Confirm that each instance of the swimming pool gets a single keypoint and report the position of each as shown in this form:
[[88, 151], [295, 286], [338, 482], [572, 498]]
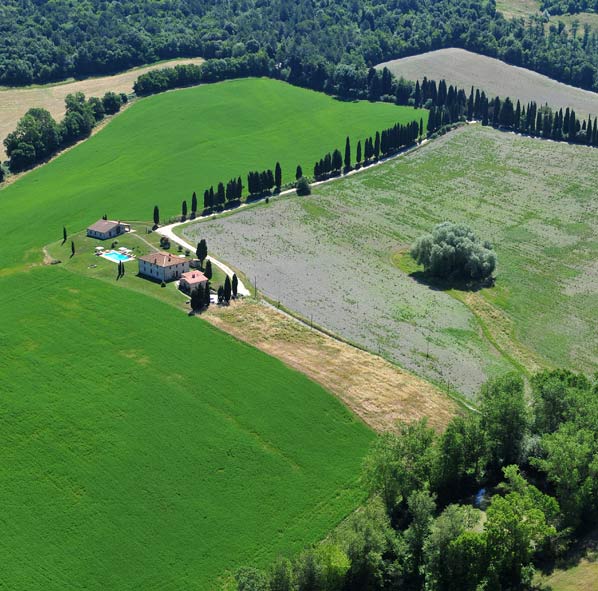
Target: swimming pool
[[116, 257]]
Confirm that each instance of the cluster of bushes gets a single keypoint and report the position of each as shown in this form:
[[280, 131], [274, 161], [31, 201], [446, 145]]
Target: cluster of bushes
[[389, 142], [422, 528], [212, 70], [223, 196], [38, 136], [261, 183], [453, 252]]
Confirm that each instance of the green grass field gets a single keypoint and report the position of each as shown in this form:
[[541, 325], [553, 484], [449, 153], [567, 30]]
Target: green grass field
[[142, 448], [165, 147]]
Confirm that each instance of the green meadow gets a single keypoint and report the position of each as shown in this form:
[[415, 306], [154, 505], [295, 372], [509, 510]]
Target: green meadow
[[142, 448], [165, 147]]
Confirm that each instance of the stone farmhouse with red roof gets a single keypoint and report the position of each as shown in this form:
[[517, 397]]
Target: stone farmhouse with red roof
[[105, 229], [191, 281], [163, 266]]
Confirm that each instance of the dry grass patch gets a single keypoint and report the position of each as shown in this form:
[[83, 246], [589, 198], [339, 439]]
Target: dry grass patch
[[15, 102], [379, 392]]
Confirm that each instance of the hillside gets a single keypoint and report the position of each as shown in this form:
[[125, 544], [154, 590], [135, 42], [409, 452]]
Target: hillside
[[497, 78], [146, 449], [165, 147], [305, 41], [531, 198], [14, 102]]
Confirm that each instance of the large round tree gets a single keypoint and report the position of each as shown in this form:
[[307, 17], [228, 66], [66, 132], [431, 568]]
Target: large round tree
[[454, 252]]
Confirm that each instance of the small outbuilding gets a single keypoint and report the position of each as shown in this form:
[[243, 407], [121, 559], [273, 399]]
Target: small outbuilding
[[104, 229], [163, 266], [191, 281]]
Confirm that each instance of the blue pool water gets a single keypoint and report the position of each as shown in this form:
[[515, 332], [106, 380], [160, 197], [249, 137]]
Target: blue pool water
[[116, 257]]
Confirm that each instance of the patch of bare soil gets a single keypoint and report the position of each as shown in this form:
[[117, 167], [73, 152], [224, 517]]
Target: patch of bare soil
[[377, 391]]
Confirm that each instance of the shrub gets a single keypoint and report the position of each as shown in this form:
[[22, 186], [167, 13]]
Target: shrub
[[454, 252], [303, 187]]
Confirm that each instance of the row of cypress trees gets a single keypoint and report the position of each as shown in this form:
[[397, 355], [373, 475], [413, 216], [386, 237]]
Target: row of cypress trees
[[449, 104], [384, 143]]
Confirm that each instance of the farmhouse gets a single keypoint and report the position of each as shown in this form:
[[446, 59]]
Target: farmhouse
[[191, 281], [163, 266], [104, 229]]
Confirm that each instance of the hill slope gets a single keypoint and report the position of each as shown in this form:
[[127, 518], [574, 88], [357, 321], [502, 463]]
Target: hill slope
[[167, 146], [143, 449], [497, 78]]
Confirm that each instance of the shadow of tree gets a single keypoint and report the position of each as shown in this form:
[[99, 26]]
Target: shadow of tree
[[446, 284]]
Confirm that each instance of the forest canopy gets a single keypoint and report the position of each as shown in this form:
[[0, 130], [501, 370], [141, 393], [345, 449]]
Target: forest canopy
[[42, 41]]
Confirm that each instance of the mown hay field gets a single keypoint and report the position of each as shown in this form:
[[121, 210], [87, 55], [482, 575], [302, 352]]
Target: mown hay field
[[15, 102], [165, 147], [337, 255], [467, 69]]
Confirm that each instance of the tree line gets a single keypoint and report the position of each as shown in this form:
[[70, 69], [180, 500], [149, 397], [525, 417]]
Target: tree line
[[385, 143], [448, 104], [531, 469], [310, 42], [38, 136]]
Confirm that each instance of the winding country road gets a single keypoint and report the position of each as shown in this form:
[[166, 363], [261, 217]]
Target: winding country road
[[168, 232]]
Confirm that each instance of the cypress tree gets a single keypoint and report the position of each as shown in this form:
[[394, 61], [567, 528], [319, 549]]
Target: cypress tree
[[202, 251], [347, 154], [64, 236], [239, 188], [572, 131], [208, 270], [206, 199], [194, 203], [235, 285], [421, 127], [195, 299], [184, 208], [277, 176], [298, 172], [227, 289], [206, 293], [220, 195], [337, 161], [122, 269], [211, 197], [156, 215], [470, 104], [72, 249], [377, 146], [358, 154]]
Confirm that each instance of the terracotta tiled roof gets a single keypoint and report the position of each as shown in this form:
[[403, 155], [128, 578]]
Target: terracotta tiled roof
[[103, 226], [163, 259], [194, 277]]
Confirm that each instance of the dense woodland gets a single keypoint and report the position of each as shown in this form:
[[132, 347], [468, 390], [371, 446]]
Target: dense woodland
[[42, 41], [430, 526], [569, 6]]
